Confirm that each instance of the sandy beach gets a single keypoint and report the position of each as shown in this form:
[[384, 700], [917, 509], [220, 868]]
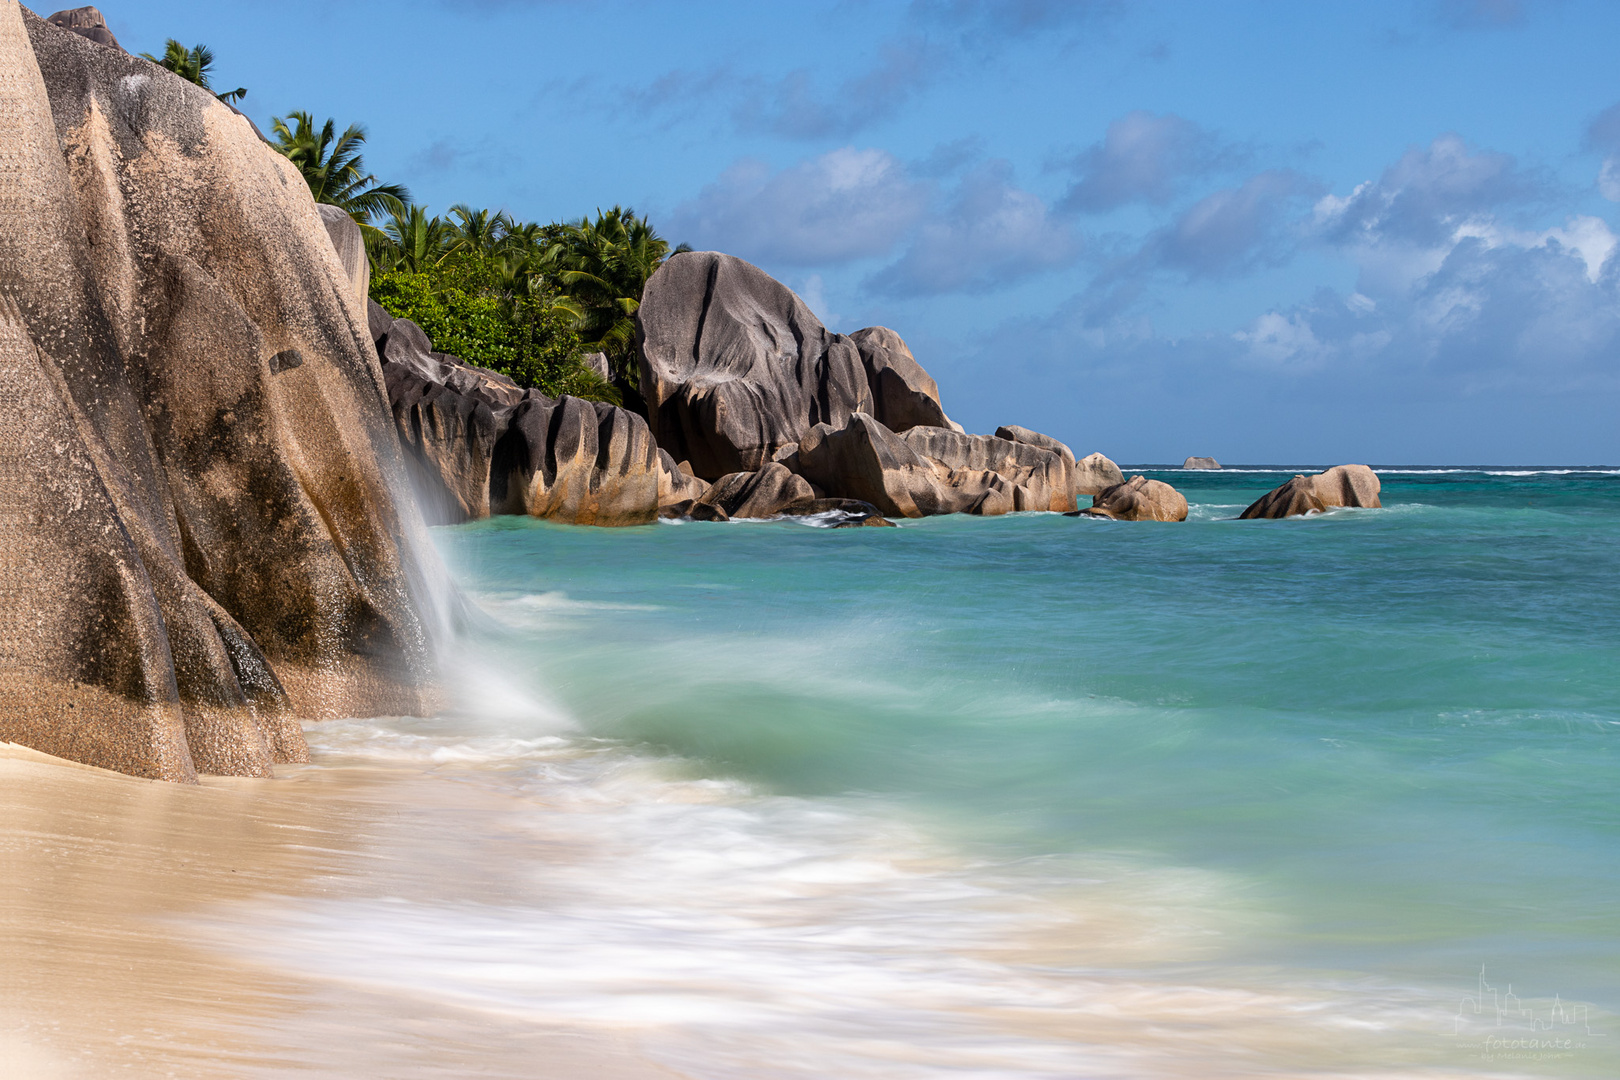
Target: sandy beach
[[102, 872]]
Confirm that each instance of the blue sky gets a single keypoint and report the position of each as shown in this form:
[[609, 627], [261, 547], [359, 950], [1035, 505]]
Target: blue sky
[[1268, 232]]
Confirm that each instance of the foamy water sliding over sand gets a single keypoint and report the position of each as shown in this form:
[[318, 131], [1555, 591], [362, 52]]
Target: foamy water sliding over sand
[[1017, 798]]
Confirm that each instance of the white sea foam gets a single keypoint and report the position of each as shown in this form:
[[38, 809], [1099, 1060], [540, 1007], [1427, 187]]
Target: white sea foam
[[770, 937]]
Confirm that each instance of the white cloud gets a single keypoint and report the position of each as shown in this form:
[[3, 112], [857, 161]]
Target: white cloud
[[845, 205], [1144, 158], [990, 234]]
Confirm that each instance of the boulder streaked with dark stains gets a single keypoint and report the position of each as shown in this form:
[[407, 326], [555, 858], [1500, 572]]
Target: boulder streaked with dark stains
[[575, 461], [904, 396], [1342, 485], [1087, 476], [734, 366], [769, 492], [202, 538]]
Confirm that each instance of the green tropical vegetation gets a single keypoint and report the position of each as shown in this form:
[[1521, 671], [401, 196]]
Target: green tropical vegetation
[[333, 167], [193, 65]]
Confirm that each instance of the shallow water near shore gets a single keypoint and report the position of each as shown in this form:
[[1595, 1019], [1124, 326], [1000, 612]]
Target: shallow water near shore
[[1018, 797]]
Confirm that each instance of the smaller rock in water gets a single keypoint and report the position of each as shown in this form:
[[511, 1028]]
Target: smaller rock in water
[[1094, 474], [1342, 485], [1200, 463], [1138, 499], [768, 492]]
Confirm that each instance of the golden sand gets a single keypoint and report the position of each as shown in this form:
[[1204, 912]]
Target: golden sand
[[98, 875]]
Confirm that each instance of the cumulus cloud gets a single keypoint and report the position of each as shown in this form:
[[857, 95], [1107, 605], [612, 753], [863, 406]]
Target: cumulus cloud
[[1431, 191], [1145, 158], [1236, 228], [990, 234], [843, 205]]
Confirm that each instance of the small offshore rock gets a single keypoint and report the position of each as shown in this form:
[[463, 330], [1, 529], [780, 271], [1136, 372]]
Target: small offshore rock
[[1138, 499], [1200, 463], [1342, 485]]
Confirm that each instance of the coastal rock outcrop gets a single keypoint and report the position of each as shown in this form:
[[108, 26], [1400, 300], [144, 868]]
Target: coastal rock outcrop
[[1342, 485], [769, 492], [1200, 463], [904, 396], [930, 471], [734, 366], [1138, 499], [202, 531], [350, 246], [1088, 476], [477, 443]]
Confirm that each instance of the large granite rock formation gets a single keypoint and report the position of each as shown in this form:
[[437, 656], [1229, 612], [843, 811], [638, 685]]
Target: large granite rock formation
[[734, 366], [477, 443], [1138, 499], [201, 532], [1200, 463], [1342, 485], [904, 396], [1088, 476], [929, 471]]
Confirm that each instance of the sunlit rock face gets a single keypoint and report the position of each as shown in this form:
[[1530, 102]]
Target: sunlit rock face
[[1340, 486], [202, 535]]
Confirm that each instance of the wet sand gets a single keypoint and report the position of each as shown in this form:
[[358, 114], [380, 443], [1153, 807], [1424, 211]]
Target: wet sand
[[101, 873]]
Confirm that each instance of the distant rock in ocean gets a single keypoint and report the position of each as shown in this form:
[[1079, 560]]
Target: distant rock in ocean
[[201, 519], [1200, 463], [1138, 499], [1342, 485]]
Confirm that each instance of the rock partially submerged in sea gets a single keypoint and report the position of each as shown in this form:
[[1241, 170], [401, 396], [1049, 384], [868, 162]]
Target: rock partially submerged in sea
[[202, 514], [769, 492], [1342, 485], [1138, 499], [1200, 463], [904, 396]]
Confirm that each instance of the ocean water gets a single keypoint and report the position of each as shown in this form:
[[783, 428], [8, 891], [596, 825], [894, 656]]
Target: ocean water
[[1030, 796]]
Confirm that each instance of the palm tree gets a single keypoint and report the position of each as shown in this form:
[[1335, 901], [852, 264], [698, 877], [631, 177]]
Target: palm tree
[[192, 65], [478, 231], [602, 267], [333, 168], [413, 242]]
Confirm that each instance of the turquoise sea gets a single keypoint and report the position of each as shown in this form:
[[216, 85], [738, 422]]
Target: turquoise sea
[[1034, 796]]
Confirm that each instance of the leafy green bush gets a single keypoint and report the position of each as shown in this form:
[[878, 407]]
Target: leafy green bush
[[461, 306]]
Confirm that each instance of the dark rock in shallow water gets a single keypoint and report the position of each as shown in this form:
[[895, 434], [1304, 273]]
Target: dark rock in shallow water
[[576, 461], [734, 366], [768, 492], [201, 542], [1138, 499], [1342, 485]]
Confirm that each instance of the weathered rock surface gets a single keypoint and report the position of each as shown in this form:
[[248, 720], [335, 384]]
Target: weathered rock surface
[[1039, 477], [477, 443], [904, 396], [87, 22], [1088, 476], [769, 492], [1094, 474], [1342, 485], [1138, 499], [350, 246], [201, 535], [734, 366], [1200, 463], [930, 471]]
